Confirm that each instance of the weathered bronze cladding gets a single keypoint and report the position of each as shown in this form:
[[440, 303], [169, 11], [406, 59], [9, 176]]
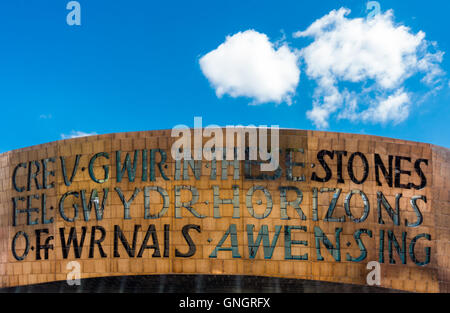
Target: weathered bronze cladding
[[119, 205]]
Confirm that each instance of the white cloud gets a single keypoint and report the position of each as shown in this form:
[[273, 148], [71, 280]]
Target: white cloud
[[247, 64], [373, 52], [77, 134], [393, 109]]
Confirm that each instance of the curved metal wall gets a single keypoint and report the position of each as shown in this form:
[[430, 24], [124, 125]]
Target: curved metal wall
[[362, 199]]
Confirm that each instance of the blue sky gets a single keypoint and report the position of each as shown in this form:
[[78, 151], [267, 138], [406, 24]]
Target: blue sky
[[134, 65]]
